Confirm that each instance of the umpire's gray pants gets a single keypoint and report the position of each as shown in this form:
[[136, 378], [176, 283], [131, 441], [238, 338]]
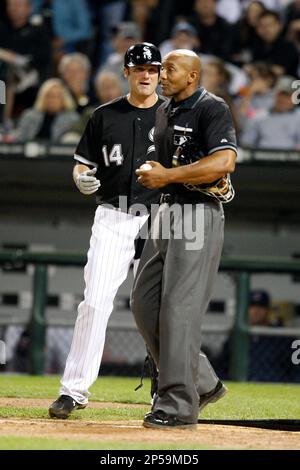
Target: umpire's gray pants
[[170, 295]]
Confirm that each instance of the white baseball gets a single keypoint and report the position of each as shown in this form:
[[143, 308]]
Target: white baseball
[[146, 167]]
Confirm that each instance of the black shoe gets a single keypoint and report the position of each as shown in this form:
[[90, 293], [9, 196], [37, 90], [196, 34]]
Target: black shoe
[[213, 396], [160, 420], [63, 407]]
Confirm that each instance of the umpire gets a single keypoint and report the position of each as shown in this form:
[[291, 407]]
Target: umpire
[[175, 278]]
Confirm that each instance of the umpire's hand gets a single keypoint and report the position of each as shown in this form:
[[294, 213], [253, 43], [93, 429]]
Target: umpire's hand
[[87, 183], [156, 177]]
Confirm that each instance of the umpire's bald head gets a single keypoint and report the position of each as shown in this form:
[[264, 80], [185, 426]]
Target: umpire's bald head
[[180, 73]]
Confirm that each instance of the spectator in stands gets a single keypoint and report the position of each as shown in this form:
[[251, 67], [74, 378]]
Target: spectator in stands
[[141, 11], [269, 355], [25, 55], [106, 15], [245, 37], [215, 33], [292, 11], [21, 358], [51, 117], [258, 96], [292, 18], [272, 47], [275, 5], [155, 18], [229, 9], [183, 36], [259, 308], [215, 77], [127, 34], [18, 346], [75, 70], [108, 86], [279, 128], [17, 343], [71, 24]]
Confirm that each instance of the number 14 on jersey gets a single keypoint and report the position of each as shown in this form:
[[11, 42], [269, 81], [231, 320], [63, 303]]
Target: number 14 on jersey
[[115, 155]]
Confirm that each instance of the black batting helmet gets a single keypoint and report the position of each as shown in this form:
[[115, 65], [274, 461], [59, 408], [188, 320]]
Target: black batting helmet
[[141, 54]]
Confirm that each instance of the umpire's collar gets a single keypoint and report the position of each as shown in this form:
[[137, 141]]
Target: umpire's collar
[[188, 103]]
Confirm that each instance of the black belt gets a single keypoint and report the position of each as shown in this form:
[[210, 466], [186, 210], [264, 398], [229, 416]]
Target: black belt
[[185, 199]]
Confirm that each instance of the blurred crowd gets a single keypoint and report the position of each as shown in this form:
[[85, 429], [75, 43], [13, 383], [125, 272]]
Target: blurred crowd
[[60, 59]]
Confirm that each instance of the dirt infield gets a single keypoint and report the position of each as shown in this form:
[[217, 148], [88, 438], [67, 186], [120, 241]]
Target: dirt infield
[[44, 403], [220, 437]]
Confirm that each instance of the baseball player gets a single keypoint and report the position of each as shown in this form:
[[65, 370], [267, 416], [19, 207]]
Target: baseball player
[[196, 148], [118, 139]]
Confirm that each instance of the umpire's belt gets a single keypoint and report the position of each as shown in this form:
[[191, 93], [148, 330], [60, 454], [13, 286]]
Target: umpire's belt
[[184, 199]]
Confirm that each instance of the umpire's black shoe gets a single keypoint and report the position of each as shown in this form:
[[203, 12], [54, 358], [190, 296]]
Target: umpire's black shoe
[[160, 420], [63, 407], [212, 396]]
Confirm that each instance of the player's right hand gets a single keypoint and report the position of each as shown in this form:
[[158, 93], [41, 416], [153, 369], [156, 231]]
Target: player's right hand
[[87, 183]]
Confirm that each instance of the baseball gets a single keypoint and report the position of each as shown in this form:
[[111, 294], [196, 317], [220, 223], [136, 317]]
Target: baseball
[[146, 167]]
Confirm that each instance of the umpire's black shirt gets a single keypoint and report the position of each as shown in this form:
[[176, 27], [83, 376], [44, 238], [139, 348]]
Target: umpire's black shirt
[[203, 118], [117, 140]]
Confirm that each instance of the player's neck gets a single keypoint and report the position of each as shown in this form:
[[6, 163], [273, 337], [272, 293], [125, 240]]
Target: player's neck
[[142, 101]]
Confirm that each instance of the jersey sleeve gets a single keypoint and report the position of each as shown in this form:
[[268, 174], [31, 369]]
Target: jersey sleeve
[[219, 131], [88, 148]]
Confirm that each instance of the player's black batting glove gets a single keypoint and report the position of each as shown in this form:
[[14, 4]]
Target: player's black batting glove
[[87, 183]]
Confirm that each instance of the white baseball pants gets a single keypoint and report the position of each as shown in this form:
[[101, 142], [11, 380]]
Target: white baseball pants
[[110, 254]]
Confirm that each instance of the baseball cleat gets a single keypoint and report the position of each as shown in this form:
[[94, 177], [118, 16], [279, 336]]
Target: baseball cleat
[[160, 420], [63, 407], [212, 396]]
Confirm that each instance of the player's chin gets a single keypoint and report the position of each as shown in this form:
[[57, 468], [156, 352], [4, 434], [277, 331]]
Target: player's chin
[[146, 90]]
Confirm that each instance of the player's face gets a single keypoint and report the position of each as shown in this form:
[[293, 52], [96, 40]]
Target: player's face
[[173, 76], [142, 79]]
